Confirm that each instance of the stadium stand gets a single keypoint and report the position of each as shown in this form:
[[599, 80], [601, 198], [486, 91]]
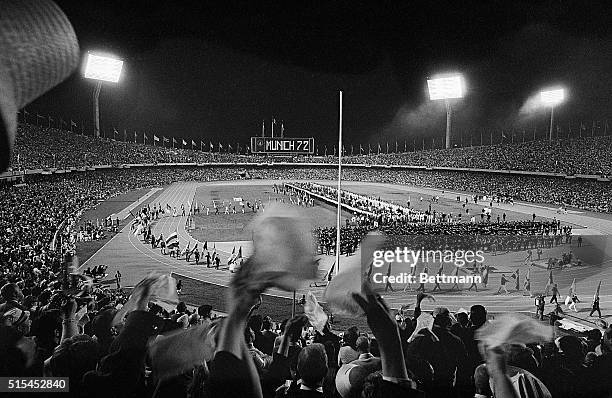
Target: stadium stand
[[36, 146], [288, 358]]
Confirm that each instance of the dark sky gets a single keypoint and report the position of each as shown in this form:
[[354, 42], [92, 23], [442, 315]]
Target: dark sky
[[214, 70]]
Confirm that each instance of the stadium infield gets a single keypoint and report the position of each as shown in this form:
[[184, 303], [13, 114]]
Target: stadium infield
[[129, 254]]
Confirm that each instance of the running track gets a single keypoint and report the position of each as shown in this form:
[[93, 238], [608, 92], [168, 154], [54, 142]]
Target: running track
[[127, 253]]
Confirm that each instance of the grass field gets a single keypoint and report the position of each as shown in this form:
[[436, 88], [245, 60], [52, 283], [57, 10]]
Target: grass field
[[235, 227]]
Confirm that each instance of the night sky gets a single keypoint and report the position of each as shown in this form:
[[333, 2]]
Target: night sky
[[215, 70]]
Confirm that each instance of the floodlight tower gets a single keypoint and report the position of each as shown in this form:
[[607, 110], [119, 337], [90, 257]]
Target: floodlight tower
[[446, 88], [552, 97], [101, 68]]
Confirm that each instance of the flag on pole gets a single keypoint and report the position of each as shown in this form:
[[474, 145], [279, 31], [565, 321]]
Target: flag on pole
[[201, 146], [232, 256], [550, 278], [229, 147], [184, 142], [212, 148], [240, 254], [597, 291], [115, 132], [572, 289], [172, 240], [186, 250], [360, 149], [205, 246], [220, 147], [378, 149], [273, 123], [155, 139], [193, 144]]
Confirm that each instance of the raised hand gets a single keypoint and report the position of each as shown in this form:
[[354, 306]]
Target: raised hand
[[380, 321], [385, 330], [68, 309]]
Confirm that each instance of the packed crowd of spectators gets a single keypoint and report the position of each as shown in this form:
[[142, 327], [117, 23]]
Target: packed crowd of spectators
[[44, 148], [63, 333], [590, 155], [41, 147]]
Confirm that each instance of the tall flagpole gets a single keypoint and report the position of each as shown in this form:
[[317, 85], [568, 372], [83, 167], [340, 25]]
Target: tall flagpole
[[339, 186]]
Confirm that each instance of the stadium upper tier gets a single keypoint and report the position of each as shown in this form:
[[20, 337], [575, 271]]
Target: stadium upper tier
[[40, 148], [583, 194]]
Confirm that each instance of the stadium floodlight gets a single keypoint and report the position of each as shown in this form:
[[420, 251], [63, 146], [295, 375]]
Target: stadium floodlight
[[552, 97], [446, 88], [101, 68]]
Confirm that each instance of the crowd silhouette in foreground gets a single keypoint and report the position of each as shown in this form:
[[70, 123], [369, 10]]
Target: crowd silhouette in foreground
[[52, 330]]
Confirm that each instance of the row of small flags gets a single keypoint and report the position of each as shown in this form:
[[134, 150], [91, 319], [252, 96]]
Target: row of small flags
[[179, 143], [485, 137]]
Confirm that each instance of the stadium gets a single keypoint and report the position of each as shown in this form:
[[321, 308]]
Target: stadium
[[281, 263]]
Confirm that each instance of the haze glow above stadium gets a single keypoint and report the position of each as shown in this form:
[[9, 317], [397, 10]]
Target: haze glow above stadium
[[215, 72]]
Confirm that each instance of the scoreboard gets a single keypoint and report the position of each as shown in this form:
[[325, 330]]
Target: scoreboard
[[272, 145]]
